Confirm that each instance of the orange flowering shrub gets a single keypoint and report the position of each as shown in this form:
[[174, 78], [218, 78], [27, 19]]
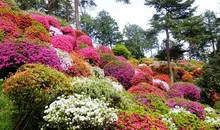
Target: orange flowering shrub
[[187, 78], [197, 72]]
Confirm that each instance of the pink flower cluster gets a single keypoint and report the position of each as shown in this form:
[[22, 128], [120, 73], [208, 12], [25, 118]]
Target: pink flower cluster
[[53, 21], [4, 5], [68, 31], [141, 77], [91, 55], [121, 58], [10, 28], [122, 71], [193, 107], [175, 94], [64, 42], [161, 85], [105, 49], [42, 20], [189, 91], [136, 121], [84, 39]]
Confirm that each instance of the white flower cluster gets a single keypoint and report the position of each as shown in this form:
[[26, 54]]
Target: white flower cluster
[[79, 112], [209, 110], [115, 85], [97, 72], [178, 109], [157, 82], [169, 122], [211, 117], [55, 31], [65, 59]]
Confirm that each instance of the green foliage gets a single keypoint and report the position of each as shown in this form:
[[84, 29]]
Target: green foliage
[[217, 105], [87, 23], [6, 111], [31, 89], [99, 88], [63, 22], [2, 34], [121, 50]]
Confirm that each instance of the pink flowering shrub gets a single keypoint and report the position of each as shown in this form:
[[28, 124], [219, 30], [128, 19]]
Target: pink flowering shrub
[[79, 33], [25, 21], [146, 69], [141, 78], [163, 77], [173, 93], [53, 21], [161, 85], [13, 55], [193, 107], [64, 42], [144, 89], [105, 49], [42, 20], [121, 58], [91, 55], [4, 5], [68, 31], [190, 91], [84, 39], [122, 71], [136, 121]]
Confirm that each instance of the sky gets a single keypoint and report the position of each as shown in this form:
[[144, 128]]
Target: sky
[[138, 13]]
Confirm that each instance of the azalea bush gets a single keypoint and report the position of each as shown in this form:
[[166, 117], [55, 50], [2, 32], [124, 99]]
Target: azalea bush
[[31, 89], [65, 58], [91, 55], [84, 39], [161, 85], [141, 78], [188, 78], [145, 69], [42, 20], [163, 77], [13, 55], [53, 21], [105, 49], [68, 30], [79, 112], [105, 59]]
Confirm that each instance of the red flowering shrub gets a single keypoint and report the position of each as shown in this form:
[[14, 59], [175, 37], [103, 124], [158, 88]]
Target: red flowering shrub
[[122, 71], [79, 33], [53, 21], [12, 55], [141, 77], [197, 72], [67, 30], [193, 107], [190, 91], [105, 59], [4, 5], [187, 78], [135, 121], [146, 69], [180, 72], [145, 89], [25, 21], [10, 15], [84, 39], [42, 20], [163, 77], [79, 67], [91, 55], [64, 42], [164, 69], [105, 49], [37, 32]]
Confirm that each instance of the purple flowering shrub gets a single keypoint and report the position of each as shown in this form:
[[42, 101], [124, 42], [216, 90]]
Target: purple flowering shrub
[[91, 55], [175, 93], [13, 55], [64, 42], [193, 107], [84, 39], [122, 71], [190, 91], [105, 49]]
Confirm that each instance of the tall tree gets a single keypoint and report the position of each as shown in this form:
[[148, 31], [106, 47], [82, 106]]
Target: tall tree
[[30, 4], [107, 30], [88, 25], [167, 11], [76, 5]]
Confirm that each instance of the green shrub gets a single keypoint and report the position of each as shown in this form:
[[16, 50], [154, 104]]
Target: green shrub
[[31, 89], [99, 88], [217, 105], [121, 50]]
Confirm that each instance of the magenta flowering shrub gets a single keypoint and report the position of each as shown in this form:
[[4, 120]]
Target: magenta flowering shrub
[[121, 58], [105, 49], [10, 29], [91, 55], [13, 55], [42, 20], [141, 77], [190, 91], [84, 39], [53, 21], [193, 107], [122, 71], [175, 93], [68, 31], [64, 42]]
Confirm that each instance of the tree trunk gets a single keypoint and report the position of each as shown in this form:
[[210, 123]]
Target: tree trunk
[[213, 47], [77, 14], [67, 11], [168, 55], [48, 7], [190, 51]]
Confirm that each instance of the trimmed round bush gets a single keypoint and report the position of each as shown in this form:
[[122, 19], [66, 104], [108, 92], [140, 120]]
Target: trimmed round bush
[[64, 42], [105, 49], [121, 50], [67, 30], [13, 55], [91, 55], [84, 39], [31, 89], [190, 91], [122, 71]]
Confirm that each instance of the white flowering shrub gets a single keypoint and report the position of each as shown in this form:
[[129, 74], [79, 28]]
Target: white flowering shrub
[[77, 112], [97, 72], [169, 122], [212, 118], [65, 59], [161, 84], [178, 109], [55, 31]]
